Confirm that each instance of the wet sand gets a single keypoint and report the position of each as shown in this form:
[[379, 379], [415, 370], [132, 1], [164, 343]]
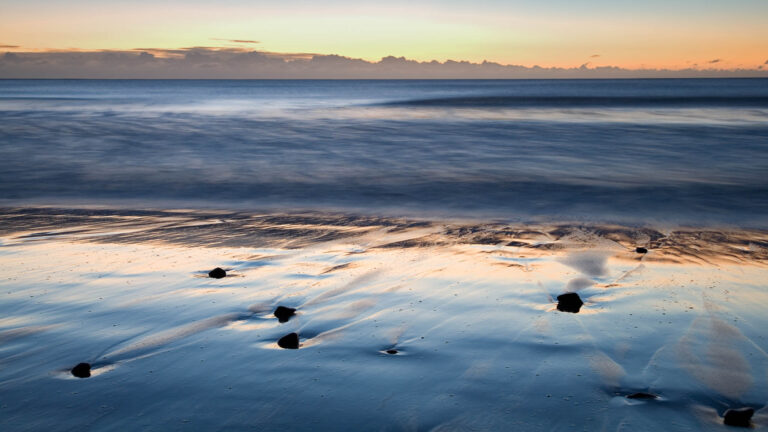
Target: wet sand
[[402, 324]]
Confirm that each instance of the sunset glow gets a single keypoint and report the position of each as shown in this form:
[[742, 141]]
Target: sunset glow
[[651, 34]]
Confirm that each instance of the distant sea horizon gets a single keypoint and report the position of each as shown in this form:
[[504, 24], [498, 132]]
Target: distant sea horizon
[[399, 79]]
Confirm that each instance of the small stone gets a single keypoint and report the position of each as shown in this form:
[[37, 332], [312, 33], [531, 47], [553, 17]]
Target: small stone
[[392, 351], [569, 302], [217, 273], [641, 250], [283, 313], [641, 395], [290, 341], [82, 370], [738, 417]]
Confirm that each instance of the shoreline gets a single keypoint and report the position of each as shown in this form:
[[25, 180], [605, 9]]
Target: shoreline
[[297, 229]]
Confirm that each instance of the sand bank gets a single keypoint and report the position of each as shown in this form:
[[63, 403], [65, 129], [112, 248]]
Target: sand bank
[[402, 324]]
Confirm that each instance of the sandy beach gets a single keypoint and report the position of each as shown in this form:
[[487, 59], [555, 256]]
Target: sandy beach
[[408, 216], [403, 324], [404, 216]]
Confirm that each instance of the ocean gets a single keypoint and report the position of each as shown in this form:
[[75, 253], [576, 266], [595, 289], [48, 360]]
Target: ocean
[[681, 151], [458, 255]]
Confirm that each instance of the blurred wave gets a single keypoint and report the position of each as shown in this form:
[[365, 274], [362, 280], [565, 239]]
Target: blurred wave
[[689, 151], [588, 101]]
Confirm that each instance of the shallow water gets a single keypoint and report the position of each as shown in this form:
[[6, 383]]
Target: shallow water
[[626, 151], [470, 308], [409, 317]]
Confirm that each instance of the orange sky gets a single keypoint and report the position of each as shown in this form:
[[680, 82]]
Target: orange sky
[[654, 34]]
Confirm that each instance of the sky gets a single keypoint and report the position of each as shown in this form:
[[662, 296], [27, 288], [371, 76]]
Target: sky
[[648, 34]]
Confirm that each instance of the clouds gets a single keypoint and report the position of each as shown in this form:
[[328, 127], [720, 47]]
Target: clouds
[[9, 46], [237, 41], [714, 61], [245, 63]]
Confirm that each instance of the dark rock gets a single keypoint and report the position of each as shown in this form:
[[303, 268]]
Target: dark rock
[[641, 395], [392, 351], [641, 250], [217, 273], [569, 302], [738, 417], [283, 313], [290, 341], [82, 370]]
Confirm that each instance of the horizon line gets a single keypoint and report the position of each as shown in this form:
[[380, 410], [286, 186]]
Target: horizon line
[[237, 63]]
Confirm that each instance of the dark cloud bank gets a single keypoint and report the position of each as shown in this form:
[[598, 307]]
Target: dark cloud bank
[[210, 62]]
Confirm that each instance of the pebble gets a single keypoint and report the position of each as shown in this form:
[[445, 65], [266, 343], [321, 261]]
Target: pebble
[[283, 313], [738, 417], [569, 302], [642, 395], [217, 273], [290, 341], [82, 370]]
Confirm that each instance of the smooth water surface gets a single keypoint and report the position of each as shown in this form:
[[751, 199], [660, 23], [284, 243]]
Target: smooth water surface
[[684, 151]]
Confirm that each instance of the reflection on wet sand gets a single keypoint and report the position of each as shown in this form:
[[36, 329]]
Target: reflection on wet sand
[[291, 231], [411, 325]]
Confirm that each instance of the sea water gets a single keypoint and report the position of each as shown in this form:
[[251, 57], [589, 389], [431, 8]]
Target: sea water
[[689, 151]]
